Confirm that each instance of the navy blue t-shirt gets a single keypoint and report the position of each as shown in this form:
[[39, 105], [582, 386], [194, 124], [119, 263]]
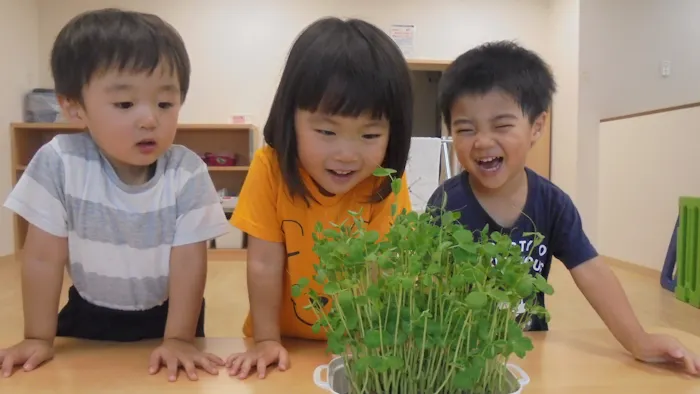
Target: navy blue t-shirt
[[554, 216]]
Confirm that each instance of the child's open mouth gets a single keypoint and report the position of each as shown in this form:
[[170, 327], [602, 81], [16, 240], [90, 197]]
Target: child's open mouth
[[146, 146], [341, 173], [490, 164]]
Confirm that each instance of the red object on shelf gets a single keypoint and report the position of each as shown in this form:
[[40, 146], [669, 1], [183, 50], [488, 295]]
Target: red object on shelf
[[219, 160]]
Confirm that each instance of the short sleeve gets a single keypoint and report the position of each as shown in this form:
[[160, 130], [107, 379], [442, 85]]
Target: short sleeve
[[200, 216], [381, 219], [39, 195], [256, 210], [568, 242]]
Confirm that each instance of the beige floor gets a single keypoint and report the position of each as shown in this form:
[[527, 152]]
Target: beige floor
[[227, 303]]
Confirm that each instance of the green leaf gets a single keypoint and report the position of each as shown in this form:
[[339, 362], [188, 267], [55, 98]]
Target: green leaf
[[331, 288], [434, 269], [371, 236], [396, 185], [476, 300], [372, 339], [296, 290], [330, 233], [303, 282], [542, 285], [500, 296], [373, 291], [345, 298], [525, 287], [393, 210], [335, 345], [380, 171], [318, 228], [464, 380], [521, 346], [316, 328], [458, 281], [352, 320], [447, 218], [394, 362], [362, 300], [463, 236]]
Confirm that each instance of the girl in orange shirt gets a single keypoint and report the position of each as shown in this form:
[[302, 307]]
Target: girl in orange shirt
[[344, 107]]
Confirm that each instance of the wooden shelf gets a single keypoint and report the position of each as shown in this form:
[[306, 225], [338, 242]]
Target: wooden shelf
[[239, 139], [428, 64]]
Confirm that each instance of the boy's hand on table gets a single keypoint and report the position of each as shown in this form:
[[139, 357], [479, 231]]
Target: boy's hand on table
[[175, 353], [263, 354], [659, 348], [30, 352]]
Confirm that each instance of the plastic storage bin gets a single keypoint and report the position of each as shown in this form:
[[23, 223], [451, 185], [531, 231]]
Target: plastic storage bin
[[41, 105]]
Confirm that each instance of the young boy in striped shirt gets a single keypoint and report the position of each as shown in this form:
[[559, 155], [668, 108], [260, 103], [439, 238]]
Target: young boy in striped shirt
[[125, 211]]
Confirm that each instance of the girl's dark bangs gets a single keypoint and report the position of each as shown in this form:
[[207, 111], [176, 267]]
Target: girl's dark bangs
[[346, 90]]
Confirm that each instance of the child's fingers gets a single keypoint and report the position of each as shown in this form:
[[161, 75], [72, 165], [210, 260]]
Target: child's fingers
[[34, 360], [208, 365], [154, 363], [690, 363], [262, 367], [245, 367], [214, 359], [236, 365], [190, 369], [231, 359], [7, 364], [172, 364], [283, 363]]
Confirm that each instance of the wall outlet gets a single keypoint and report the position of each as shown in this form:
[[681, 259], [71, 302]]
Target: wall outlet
[[665, 68]]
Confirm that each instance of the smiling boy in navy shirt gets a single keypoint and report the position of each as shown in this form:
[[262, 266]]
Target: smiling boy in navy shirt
[[494, 100]]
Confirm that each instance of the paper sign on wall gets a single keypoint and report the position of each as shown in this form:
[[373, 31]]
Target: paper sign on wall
[[403, 37]]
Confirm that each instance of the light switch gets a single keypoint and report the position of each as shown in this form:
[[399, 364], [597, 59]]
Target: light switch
[[665, 68]]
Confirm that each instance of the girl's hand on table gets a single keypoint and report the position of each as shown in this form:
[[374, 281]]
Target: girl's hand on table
[[263, 354], [176, 353], [30, 352]]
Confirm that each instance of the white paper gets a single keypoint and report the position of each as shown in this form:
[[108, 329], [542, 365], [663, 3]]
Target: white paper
[[403, 37], [423, 170]]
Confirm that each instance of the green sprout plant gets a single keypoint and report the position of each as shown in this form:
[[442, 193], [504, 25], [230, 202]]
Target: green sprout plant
[[427, 308]]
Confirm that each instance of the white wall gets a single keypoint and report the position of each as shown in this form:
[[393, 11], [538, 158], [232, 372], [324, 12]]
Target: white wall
[[605, 56], [238, 47], [634, 37], [19, 40], [646, 164], [564, 60], [631, 172]]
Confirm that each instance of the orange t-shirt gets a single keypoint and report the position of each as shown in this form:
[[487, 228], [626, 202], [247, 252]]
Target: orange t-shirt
[[266, 211]]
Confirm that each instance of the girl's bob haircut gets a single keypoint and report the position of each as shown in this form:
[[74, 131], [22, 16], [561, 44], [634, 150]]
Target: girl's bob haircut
[[346, 68]]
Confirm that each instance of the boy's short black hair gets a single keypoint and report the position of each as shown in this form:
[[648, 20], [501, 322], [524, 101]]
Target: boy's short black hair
[[498, 65], [347, 68], [96, 41]]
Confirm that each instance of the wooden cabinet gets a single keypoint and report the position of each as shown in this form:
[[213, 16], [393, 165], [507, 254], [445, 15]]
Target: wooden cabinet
[[240, 140]]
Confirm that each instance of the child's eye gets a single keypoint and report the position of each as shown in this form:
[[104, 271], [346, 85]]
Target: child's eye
[[124, 105], [165, 105], [325, 132], [371, 136], [465, 131], [504, 126]]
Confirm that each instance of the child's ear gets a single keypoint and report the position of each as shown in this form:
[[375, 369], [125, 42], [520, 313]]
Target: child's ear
[[72, 110], [538, 127]]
